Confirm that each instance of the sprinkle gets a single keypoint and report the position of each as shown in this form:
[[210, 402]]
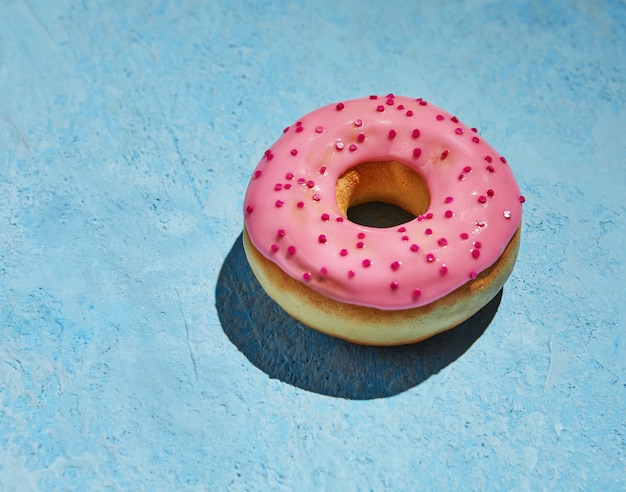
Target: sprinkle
[[455, 119], [475, 253], [299, 123], [442, 241], [286, 129], [339, 145], [361, 235], [490, 192], [300, 204], [278, 186], [343, 252], [459, 131], [507, 214], [428, 231], [415, 248], [409, 113], [476, 140], [358, 122], [443, 270], [361, 138], [416, 293], [319, 129], [340, 106], [366, 263], [464, 235], [294, 151], [490, 168], [301, 181], [402, 229], [439, 117], [390, 101], [322, 170], [323, 271], [482, 199], [249, 209], [352, 147], [475, 130], [473, 275], [478, 244], [503, 160], [289, 176], [416, 133], [400, 107], [422, 102], [417, 152], [274, 248], [380, 108], [394, 285], [325, 217], [306, 276], [280, 232], [299, 129], [350, 274], [444, 154], [291, 250], [395, 265], [392, 133], [316, 197], [339, 219], [405, 238], [448, 214], [522, 199], [287, 186], [467, 169], [310, 183], [257, 174], [360, 244], [488, 158], [279, 203], [372, 97], [430, 257], [269, 156], [429, 215], [322, 238]]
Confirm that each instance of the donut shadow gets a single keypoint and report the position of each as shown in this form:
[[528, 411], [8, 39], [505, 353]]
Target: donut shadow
[[289, 351]]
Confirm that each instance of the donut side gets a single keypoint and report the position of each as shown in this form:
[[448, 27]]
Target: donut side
[[371, 326]]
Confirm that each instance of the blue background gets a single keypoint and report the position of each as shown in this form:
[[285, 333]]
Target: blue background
[[136, 349]]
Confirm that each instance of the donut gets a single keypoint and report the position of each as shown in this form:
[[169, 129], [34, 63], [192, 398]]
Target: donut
[[382, 285]]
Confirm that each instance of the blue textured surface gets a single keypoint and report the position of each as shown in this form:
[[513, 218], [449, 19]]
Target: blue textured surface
[[136, 351]]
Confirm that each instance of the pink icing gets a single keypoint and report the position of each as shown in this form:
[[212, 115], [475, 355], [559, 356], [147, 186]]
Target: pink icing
[[292, 216]]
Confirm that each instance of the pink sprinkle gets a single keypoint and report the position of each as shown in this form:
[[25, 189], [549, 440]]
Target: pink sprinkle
[[358, 122], [322, 170], [380, 108], [439, 117], [352, 147], [343, 252], [430, 257], [400, 107], [392, 133], [325, 217], [274, 248], [402, 229], [490, 168], [429, 215], [490, 192], [415, 248], [289, 176], [475, 130], [291, 250], [339, 145], [416, 133], [405, 238], [366, 263], [488, 158], [417, 152], [249, 209], [360, 235], [301, 181], [299, 123], [448, 214], [428, 231], [360, 244], [306, 276], [478, 244], [279, 203], [267, 152], [294, 151], [522, 199], [310, 183], [278, 186], [322, 238], [360, 138], [444, 154], [390, 101], [257, 174], [350, 274], [340, 106], [464, 235], [482, 199], [455, 119], [286, 129], [299, 129], [300, 204], [423, 103], [459, 131], [395, 265], [503, 160], [475, 139], [473, 275], [339, 219], [287, 186], [316, 197], [416, 293], [372, 97], [409, 113], [324, 271], [475, 253], [443, 270], [394, 285], [442, 242], [467, 169], [280, 232], [319, 129], [269, 156]]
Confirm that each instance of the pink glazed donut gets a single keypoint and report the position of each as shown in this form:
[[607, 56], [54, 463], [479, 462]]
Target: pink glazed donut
[[372, 285]]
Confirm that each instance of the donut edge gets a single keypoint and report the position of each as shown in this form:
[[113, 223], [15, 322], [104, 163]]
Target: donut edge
[[370, 326]]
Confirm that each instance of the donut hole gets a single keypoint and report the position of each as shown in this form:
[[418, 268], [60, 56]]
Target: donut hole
[[381, 194]]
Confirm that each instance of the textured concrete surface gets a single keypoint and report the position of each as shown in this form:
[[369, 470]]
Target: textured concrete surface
[[136, 350]]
